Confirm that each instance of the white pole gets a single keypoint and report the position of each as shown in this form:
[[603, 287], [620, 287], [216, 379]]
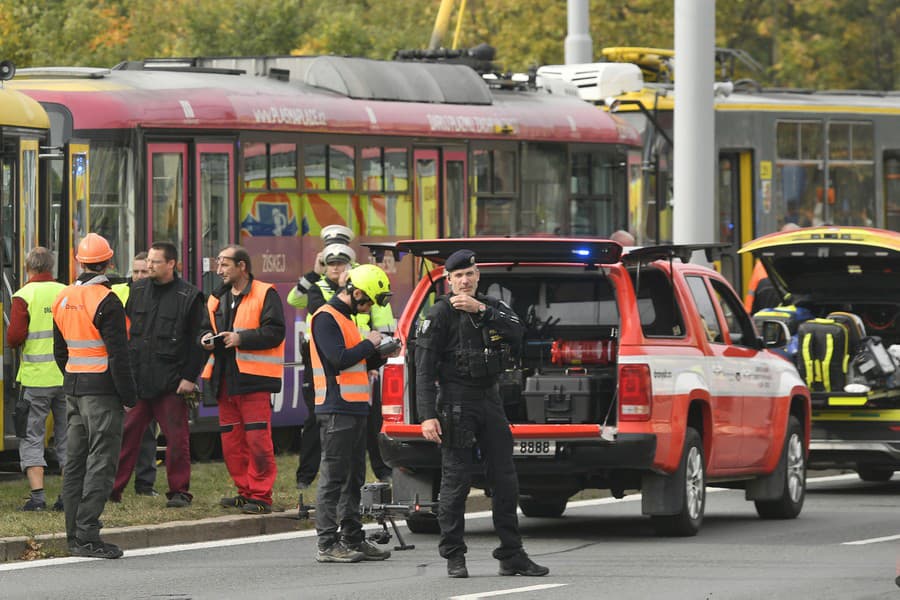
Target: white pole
[[578, 39], [695, 213]]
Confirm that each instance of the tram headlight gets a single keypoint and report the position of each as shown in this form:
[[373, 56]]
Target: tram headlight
[[7, 70]]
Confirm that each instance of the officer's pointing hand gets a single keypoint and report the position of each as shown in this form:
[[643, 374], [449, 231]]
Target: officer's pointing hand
[[431, 430]]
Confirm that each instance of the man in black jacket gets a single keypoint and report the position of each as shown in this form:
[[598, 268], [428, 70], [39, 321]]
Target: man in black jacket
[[90, 345], [166, 312], [244, 327]]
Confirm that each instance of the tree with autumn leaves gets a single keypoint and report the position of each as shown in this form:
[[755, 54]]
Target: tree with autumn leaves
[[822, 44]]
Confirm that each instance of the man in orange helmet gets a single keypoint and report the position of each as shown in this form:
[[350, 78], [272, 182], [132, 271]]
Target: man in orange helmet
[[90, 345]]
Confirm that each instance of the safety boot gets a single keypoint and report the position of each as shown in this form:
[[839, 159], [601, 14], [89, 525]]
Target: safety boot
[[456, 566], [520, 564]]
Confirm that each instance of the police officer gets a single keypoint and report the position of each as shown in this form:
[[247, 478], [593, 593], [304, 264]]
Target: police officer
[[90, 344], [463, 344]]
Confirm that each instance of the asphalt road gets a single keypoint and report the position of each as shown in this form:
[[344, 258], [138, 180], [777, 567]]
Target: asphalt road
[[845, 544]]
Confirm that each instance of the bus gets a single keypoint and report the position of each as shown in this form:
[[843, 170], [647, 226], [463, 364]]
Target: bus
[[27, 164], [265, 152], [784, 155]]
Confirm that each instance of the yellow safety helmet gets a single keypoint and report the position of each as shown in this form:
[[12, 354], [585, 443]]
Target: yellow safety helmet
[[372, 281]]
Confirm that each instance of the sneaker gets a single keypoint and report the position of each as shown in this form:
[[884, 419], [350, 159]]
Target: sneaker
[[96, 549], [370, 551], [146, 492], [456, 566], [520, 564], [253, 507], [233, 501], [34, 506], [178, 500], [339, 553], [58, 505]]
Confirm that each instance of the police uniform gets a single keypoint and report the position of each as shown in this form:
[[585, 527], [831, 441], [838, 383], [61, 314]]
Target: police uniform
[[464, 353]]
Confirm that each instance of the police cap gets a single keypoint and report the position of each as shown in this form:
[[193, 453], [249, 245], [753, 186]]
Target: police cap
[[336, 234], [461, 259]]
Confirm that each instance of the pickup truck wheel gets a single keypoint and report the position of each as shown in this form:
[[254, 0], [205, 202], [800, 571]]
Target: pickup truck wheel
[[874, 474], [793, 465], [424, 522], [692, 474], [543, 506]]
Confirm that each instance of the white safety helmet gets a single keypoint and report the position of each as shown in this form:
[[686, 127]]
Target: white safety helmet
[[336, 234], [341, 253]]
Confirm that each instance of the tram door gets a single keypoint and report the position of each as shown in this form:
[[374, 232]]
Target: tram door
[[212, 216], [734, 199], [441, 207], [18, 234], [191, 193]]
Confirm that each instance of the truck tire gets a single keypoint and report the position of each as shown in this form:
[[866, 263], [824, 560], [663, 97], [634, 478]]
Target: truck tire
[[692, 475], [793, 467], [423, 522], [543, 506], [874, 474]]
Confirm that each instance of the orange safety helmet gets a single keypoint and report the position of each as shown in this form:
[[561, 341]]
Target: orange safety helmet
[[93, 249]]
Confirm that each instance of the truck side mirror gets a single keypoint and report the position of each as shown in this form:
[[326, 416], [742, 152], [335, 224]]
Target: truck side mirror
[[775, 334]]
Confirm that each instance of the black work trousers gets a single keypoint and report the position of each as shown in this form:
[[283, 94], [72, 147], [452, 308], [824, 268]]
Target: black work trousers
[[342, 475], [310, 444], [481, 413], [94, 439]]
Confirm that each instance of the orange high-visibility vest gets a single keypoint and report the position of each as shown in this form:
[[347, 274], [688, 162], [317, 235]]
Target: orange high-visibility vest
[[268, 362], [353, 381], [759, 273], [73, 312]]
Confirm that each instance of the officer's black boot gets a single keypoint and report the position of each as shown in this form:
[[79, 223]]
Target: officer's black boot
[[520, 564], [456, 566]]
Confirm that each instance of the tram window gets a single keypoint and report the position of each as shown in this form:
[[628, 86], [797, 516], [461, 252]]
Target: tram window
[[315, 166], [283, 163], [482, 160], [545, 172], [255, 172], [811, 141], [495, 171], [396, 169], [341, 168], [839, 141], [372, 170], [892, 189], [112, 208]]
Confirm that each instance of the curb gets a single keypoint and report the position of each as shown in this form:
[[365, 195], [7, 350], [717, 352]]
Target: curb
[[164, 534]]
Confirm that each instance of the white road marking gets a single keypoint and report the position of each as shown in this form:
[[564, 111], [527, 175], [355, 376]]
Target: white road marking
[[292, 535], [889, 538], [531, 588]]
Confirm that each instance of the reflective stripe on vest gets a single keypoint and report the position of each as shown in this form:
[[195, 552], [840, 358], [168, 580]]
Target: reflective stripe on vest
[[74, 312], [354, 380], [268, 362], [38, 367]]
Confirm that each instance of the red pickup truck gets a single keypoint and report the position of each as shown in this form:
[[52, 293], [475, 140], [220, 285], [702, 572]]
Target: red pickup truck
[[638, 372]]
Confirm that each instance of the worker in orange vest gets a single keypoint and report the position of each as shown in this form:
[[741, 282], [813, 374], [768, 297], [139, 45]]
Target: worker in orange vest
[[90, 344], [244, 328]]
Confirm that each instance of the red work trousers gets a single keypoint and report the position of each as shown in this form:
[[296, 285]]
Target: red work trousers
[[171, 412], [246, 424]]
